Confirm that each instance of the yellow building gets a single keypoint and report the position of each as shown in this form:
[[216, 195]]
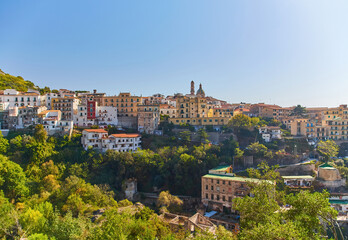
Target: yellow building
[[337, 122], [270, 111], [195, 110], [126, 104], [310, 128]]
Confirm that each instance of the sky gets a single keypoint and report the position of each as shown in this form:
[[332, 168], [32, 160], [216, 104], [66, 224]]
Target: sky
[[284, 52]]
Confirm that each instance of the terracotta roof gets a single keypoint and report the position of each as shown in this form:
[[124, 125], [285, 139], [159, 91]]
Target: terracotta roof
[[96, 130], [126, 135]]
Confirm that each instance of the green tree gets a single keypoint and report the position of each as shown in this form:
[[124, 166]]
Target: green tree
[[168, 201], [328, 149], [185, 136], [12, 179], [259, 150], [298, 111], [203, 135], [4, 144], [40, 133], [240, 121]]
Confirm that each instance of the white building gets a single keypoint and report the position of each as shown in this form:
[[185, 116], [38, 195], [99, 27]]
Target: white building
[[106, 115], [47, 99], [93, 138], [270, 133], [298, 181], [12, 98], [124, 142], [53, 124], [99, 139]]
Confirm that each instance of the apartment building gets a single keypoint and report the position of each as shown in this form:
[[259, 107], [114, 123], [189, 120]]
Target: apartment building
[[91, 96], [123, 142], [270, 111], [195, 110], [148, 118], [93, 138], [12, 98], [126, 104], [100, 140], [269, 133], [54, 124], [21, 117], [220, 186], [167, 110], [67, 105], [337, 122]]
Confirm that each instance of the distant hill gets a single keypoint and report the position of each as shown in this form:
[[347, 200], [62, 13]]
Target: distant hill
[[8, 81]]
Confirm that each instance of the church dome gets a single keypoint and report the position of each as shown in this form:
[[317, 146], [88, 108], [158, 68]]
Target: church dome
[[200, 91]]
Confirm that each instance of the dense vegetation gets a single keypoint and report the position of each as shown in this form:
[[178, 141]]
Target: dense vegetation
[[50, 188], [8, 81]]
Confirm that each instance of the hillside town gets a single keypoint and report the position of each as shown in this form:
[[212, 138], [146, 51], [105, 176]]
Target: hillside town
[[124, 123]]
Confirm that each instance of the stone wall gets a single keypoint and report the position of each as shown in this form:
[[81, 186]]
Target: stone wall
[[128, 122], [297, 170]]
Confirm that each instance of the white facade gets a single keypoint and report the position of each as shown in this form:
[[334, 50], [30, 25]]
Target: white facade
[[270, 133], [106, 115], [47, 99], [122, 142], [266, 137], [12, 98], [93, 138], [99, 139], [52, 123]]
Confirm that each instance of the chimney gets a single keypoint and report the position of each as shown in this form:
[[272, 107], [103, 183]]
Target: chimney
[[94, 91]]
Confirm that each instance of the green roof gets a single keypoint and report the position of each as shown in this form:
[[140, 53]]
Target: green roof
[[233, 178], [297, 177], [327, 166], [221, 168], [338, 201]]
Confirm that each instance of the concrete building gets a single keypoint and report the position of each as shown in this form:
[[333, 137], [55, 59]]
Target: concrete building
[[91, 96], [167, 110], [298, 181], [221, 186], [269, 133], [337, 123], [106, 115], [123, 142], [148, 118], [21, 117], [93, 138], [11, 98], [126, 104], [67, 105], [270, 111], [100, 140], [54, 124]]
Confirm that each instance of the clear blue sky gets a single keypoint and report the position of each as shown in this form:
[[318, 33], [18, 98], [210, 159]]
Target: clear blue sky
[[282, 51]]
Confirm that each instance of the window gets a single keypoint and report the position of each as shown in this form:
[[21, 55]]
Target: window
[[212, 197]]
